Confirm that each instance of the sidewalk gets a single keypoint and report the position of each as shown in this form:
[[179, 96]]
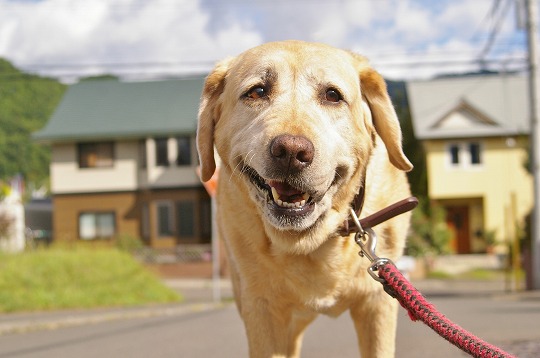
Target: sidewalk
[[12, 323], [199, 296], [201, 290]]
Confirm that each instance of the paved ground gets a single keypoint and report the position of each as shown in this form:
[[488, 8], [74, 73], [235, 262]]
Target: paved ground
[[488, 309], [201, 328]]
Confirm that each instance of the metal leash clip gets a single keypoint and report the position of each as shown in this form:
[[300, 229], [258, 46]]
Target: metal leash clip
[[366, 239]]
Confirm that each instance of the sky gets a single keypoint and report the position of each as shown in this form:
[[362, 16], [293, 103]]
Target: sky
[[148, 39]]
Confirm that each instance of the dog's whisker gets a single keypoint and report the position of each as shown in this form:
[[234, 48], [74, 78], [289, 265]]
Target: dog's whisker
[[251, 159], [238, 169]]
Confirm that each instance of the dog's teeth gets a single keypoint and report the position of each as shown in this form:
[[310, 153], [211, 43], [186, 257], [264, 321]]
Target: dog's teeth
[[285, 204], [275, 194]]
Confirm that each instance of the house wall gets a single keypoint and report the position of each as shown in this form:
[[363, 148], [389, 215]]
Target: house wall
[[153, 176], [67, 177], [11, 208], [68, 207], [132, 188], [127, 173], [128, 210], [501, 181], [197, 196]]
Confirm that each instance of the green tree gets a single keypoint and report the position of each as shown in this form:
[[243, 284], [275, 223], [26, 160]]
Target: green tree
[[411, 146], [430, 234], [26, 103]]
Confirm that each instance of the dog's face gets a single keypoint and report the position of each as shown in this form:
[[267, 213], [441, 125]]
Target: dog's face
[[296, 124]]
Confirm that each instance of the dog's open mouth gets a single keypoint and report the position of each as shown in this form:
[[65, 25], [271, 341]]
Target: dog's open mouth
[[284, 197]]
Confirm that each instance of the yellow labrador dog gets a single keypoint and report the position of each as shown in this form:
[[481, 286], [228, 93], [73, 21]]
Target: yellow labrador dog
[[299, 127]]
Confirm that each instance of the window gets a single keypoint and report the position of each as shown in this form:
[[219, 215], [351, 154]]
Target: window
[[184, 151], [185, 217], [96, 155], [165, 219], [162, 152], [465, 155], [96, 225], [474, 151], [454, 154]]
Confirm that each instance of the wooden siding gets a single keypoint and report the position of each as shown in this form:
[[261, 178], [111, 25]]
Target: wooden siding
[[67, 209], [127, 207]]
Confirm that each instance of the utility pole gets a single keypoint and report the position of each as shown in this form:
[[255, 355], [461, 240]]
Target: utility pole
[[534, 85]]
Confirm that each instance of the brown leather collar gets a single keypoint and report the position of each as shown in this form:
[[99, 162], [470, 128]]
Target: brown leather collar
[[348, 226], [380, 216]]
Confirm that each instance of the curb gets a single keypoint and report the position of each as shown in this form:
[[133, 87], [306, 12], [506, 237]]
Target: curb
[[38, 322]]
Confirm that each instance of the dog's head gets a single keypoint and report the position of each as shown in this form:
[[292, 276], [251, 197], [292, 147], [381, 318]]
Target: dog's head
[[296, 123]]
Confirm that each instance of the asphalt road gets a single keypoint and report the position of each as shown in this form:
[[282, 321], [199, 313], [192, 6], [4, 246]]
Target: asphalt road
[[509, 321]]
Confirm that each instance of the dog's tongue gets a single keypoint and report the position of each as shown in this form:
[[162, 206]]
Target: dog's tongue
[[284, 189], [286, 196]]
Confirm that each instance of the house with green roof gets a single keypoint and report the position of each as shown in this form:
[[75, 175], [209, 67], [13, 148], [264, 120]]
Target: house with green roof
[[475, 134], [124, 163]]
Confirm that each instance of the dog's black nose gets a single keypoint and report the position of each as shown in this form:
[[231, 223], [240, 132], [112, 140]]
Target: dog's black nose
[[292, 153]]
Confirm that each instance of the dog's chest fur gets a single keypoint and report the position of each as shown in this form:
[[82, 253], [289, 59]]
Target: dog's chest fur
[[327, 281]]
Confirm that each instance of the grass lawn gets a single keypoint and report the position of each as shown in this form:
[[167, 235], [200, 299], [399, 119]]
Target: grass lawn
[[58, 278], [477, 274]]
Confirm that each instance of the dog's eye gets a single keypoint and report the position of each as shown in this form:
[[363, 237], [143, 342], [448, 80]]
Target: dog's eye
[[256, 92], [332, 95]]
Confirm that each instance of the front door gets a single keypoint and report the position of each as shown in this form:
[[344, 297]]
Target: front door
[[457, 218]]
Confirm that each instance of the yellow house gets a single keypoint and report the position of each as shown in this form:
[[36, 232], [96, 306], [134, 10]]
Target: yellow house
[[474, 130]]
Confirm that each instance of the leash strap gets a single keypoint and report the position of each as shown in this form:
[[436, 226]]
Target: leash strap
[[401, 289], [351, 226], [420, 309]]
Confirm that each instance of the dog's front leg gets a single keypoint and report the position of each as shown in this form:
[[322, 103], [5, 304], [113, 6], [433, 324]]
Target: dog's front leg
[[375, 320], [273, 331]]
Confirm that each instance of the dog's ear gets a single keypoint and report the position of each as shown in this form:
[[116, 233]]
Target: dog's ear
[[209, 112], [384, 116]]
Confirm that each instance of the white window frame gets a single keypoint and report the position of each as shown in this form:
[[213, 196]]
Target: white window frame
[[90, 228], [464, 155]]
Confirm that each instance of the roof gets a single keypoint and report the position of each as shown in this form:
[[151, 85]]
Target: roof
[[465, 107], [110, 109]]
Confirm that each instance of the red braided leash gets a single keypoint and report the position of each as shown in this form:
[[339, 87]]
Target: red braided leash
[[420, 309], [400, 288]]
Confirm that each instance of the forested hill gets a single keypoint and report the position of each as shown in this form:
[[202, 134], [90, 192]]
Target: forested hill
[[26, 103]]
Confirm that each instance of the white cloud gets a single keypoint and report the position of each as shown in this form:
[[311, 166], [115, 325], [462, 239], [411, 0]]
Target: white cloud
[[57, 32], [178, 36]]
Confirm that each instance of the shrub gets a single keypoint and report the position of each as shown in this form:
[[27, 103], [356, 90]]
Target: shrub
[[429, 234], [77, 278]]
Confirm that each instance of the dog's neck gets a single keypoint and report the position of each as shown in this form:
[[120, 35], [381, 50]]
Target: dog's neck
[[348, 227]]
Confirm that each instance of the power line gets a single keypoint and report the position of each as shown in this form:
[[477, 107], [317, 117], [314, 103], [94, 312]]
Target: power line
[[381, 56], [497, 23], [134, 72]]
